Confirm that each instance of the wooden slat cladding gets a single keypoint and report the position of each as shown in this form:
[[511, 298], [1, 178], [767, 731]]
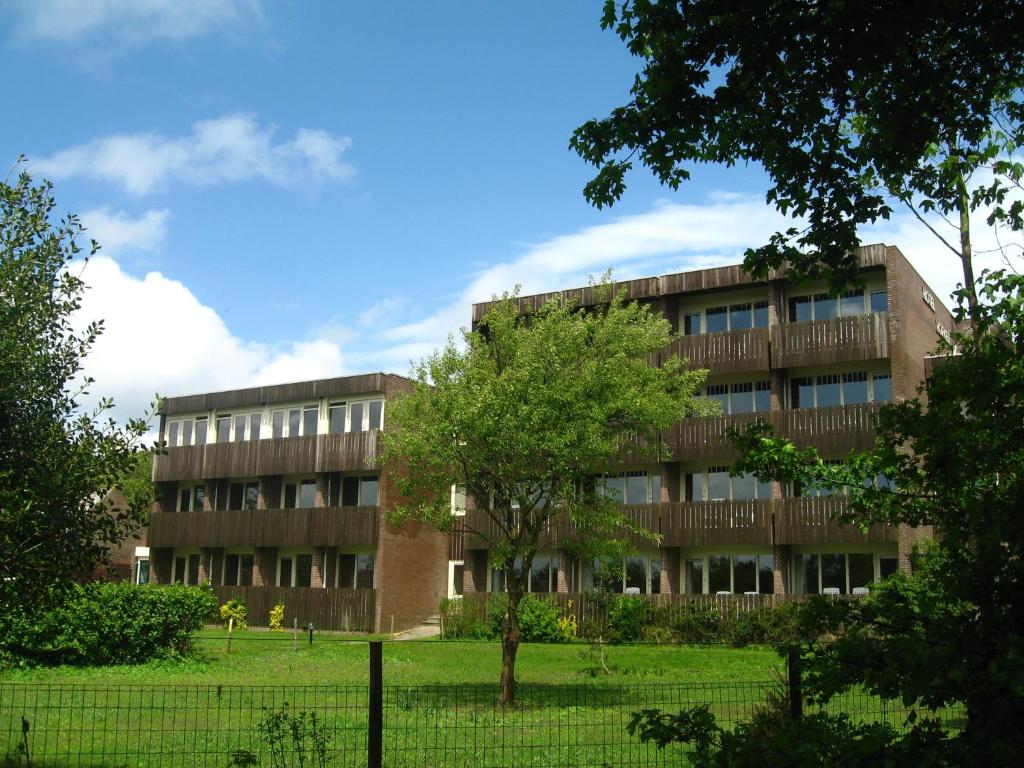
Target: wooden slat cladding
[[710, 523], [316, 527], [457, 541], [279, 393], [817, 521], [282, 456], [839, 340], [704, 439], [724, 352], [834, 431], [344, 609]]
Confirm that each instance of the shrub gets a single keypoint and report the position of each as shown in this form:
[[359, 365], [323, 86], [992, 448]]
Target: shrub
[[277, 618], [117, 623], [234, 609], [461, 620], [697, 624], [497, 607], [627, 618], [540, 622]]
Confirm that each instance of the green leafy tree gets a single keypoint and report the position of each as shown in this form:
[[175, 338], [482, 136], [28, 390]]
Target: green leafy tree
[[56, 461], [852, 109], [523, 416]]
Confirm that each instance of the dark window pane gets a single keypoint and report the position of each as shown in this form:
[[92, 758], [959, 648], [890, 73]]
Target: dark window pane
[[237, 492], [230, 570], [694, 577], [887, 565], [179, 570], [883, 387], [143, 573], [718, 574], [364, 571], [310, 416], [655, 489], [346, 571], [766, 574], [764, 490], [615, 488], [186, 432], [185, 505], [862, 569], [303, 570], [307, 494], [355, 421], [825, 307], [828, 390], [350, 492], [198, 497], [636, 573], [294, 419], [240, 421], [172, 434], [760, 314], [744, 487], [200, 431], [540, 574], [193, 569], [880, 301], [852, 303], [458, 574], [223, 429], [744, 574], [800, 309], [497, 580], [252, 495], [762, 396], [717, 319], [636, 488], [742, 398], [290, 492], [376, 411], [254, 426], [245, 572], [833, 572], [740, 317], [655, 576], [277, 424], [691, 324], [221, 495], [810, 569], [802, 393], [368, 489], [855, 388], [718, 484], [286, 572], [337, 418], [719, 393]]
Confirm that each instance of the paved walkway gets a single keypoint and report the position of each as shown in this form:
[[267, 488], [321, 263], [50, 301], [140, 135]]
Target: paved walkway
[[421, 632]]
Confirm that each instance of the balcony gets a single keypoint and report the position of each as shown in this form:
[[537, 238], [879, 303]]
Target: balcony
[[724, 352], [716, 523], [704, 439], [839, 340], [810, 520], [315, 527], [834, 431], [282, 456]]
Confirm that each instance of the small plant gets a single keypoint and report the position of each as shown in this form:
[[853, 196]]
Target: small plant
[[461, 620], [299, 735], [277, 618], [242, 758], [539, 622], [234, 609]]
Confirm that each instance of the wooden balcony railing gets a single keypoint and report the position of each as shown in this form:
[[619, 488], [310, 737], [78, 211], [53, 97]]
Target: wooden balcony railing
[[725, 352], [810, 520], [253, 458], [833, 431], [839, 340], [704, 439], [315, 527], [345, 609], [711, 523]]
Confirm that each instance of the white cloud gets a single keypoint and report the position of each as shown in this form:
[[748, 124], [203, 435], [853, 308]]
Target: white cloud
[[223, 150], [117, 231], [159, 337], [129, 21]]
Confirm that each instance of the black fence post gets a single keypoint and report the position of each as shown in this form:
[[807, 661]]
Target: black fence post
[[796, 699], [375, 736]]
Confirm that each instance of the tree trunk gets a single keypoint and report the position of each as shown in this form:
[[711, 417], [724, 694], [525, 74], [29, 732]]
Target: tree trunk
[[509, 648], [963, 204]]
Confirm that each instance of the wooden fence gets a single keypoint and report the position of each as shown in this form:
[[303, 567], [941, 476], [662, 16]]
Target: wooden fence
[[340, 609]]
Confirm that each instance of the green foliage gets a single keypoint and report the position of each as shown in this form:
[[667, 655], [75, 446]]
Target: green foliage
[[461, 620], [235, 609], [540, 621], [137, 485], [57, 462], [115, 623], [294, 739], [627, 618], [276, 622], [849, 108]]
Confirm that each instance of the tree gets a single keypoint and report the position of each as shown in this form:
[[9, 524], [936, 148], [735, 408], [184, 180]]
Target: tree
[[523, 417], [850, 108], [56, 461]]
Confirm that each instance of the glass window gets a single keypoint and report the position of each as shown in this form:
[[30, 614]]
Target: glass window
[[740, 317], [744, 487], [655, 576], [719, 393], [880, 301], [691, 324], [336, 416], [230, 570], [346, 571], [766, 574], [802, 392], [497, 580], [198, 497], [615, 487], [310, 416], [368, 490], [240, 421], [285, 568], [762, 396], [252, 495], [294, 420], [742, 398], [290, 493], [201, 431], [277, 424], [862, 569], [303, 570], [800, 309], [193, 569], [185, 500], [223, 429], [540, 575], [350, 492], [855, 388], [694, 577], [636, 488], [245, 571], [883, 387], [717, 319], [655, 489], [179, 570], [186, 432], [828, 390], [833, 572], [887, 565], [356, 418], [254, 425], [142, 575], [810, 570], [718, 574], [852, 303], [376, 412], [760, 314], [744, 574], [364, 571], [764, 490], [307, 494], [825, 306], [636, 573], [172, 433], [718, 483], [237, 493]]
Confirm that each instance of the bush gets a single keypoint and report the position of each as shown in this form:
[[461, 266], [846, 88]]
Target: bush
[[627, 619], [117, 623], [461, 620], [277, 618], [540, 622], [234, 609], [697, 624]]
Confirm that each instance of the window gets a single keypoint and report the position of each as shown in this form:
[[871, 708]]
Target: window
[[357, 491], [762, 396], [191, 497], [544, 574], [355, 570], [186, 569], [716, 319], [246, 426], [224, 429], [760, 314], [844, 572], [173, 428], [691, 324], [880, 301], [310, 417], [238, 569], [731, 574], [365, 415], [336, 418], [839, 389], [142, 571], [694, 575], [243, 495], [376, 414], [640, 574], [887, 565], [200, 434], [186, 432], [630, 487], [742, 398], [882, 386], [852, 303], [855, 388], [801, 309], [740, 317], [733, 317], [299, 494], [295, 570], [277, 424], [718, 486], [719, 393], [824, 306]]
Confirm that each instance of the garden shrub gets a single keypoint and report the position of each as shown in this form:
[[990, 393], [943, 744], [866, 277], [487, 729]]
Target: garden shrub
[[697, 624], [234, 609], [276, 622], [461, 620], [117, 623], [541, 622], [627, 618]]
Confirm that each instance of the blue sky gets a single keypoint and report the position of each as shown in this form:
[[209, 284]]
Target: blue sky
[[294, 190]]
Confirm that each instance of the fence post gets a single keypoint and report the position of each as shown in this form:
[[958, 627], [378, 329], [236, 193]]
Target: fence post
[[796, 701], [375, 719]]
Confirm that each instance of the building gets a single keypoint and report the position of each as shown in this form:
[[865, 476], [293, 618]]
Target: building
[[813, 365], [273, 494]]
